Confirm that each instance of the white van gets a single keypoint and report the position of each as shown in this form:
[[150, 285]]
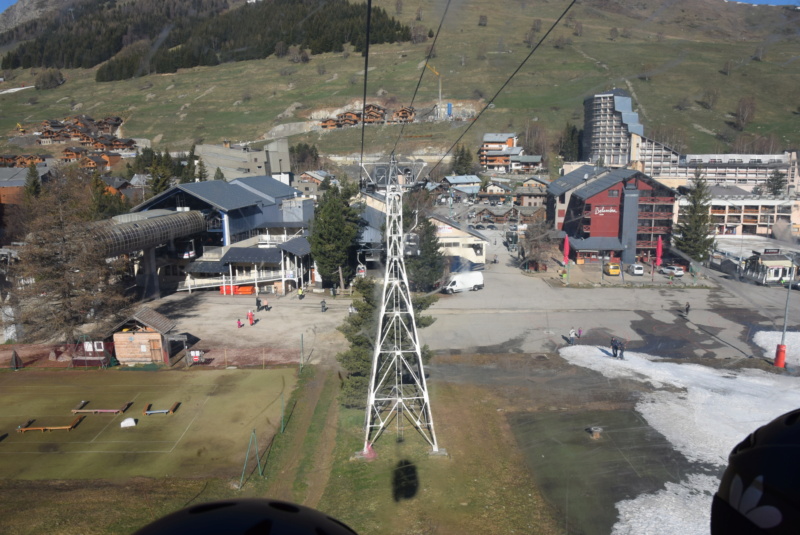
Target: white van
[[636, 269], [467, 280]]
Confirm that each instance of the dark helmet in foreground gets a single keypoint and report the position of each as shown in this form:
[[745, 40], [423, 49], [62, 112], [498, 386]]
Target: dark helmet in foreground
[[760, 490]]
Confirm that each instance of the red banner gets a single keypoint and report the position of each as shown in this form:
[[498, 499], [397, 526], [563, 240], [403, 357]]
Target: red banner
[[566, 250], [659, 251]]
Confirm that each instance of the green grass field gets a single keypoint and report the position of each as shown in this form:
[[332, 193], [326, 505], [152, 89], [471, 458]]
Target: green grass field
[[206, 437]]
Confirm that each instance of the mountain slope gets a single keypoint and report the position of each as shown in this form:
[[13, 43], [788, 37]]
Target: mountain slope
[[663, 52]]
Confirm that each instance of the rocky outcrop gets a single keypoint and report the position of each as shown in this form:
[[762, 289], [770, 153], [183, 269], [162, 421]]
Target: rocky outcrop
[[25, 10]]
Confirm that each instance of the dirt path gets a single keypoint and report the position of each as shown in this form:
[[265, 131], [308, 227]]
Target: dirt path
[[316, 478]]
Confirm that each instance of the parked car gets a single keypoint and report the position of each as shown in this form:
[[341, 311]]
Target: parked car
[[480, 227], [611, 269], [636, 269], [491, 227], [471, 227], [675, 271]]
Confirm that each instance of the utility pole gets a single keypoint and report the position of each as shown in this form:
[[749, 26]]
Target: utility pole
[[397, 389], [439, 110]]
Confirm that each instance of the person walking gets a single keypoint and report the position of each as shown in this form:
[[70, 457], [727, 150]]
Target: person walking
[[614, 346], [258, 304], [687, 309], [250, 317], [621, 349], [300, 293], [572, 336]]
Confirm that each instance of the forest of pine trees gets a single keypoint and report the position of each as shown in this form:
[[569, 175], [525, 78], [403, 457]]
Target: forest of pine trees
[[162, 36]]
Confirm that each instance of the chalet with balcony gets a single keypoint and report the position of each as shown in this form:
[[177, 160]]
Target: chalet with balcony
[[330, 124], [496, 152], [349, 118], [73, 154], [533, 195], [406, 114], [374, 114], [617, 213]]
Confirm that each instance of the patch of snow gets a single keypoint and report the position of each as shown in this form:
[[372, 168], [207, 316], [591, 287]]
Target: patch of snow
[[769, 340], [703, 412]]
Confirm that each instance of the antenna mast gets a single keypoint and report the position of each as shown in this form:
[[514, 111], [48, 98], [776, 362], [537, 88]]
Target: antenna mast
[[397, 389]]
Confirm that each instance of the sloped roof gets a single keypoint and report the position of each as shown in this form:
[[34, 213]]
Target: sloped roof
[[573, 179], [219, 194], [296, 246], [205, 266], [593, 187], [251, 255], [152, 319], [595, 244], [469, 190], [497, 138], [266, 186], [461, 179], [527, 158], [455, 224]]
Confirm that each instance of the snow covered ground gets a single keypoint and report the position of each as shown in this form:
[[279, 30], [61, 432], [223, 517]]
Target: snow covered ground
[[703, 413]]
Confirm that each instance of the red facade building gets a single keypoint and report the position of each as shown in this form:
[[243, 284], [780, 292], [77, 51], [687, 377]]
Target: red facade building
[[616, 214]]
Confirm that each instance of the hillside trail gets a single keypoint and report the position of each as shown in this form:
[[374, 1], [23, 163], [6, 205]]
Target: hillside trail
[[316, 477]]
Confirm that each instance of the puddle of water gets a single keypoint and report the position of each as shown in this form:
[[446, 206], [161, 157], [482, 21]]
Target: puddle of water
[[583, 478]]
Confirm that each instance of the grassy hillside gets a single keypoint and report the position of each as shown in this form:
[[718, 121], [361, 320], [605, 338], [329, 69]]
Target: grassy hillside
[[682, 45]]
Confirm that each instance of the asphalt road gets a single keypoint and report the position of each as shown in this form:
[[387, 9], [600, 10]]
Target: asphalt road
[[521, 313]]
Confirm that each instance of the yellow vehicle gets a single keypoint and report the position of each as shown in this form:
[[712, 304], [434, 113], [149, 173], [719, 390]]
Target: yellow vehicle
[[611, 269]]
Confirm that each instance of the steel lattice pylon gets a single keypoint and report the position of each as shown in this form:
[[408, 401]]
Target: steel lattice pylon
[[397, 388]]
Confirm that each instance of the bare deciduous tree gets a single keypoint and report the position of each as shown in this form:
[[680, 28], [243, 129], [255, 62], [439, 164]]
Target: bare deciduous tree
[[745, 111], [613, 33], [578, 29], [727, 68], [625, 33], [683, 104], [398, 7], [69, 282], [537, 25], [758, 55], [710, 97], [418, 16], [670, 136]]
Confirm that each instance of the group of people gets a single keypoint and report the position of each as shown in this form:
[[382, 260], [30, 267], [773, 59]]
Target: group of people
[[251, 317], [617, 348], [617, 345]]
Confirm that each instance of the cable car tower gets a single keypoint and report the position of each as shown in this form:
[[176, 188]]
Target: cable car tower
[[397, 388]]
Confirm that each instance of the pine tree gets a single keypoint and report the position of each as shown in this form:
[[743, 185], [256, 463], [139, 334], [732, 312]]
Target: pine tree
[[694, 222], [776, 183], [218, 174], [202, 172], [425, 270], [33, 185], [334, 234]]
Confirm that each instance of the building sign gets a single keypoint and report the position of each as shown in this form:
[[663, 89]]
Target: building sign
[[602, 210], [772, 251]]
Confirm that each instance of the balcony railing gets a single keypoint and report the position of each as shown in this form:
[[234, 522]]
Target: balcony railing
[[193, 283]]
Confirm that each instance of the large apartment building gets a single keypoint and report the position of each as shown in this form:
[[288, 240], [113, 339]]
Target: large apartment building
[[614, 137]]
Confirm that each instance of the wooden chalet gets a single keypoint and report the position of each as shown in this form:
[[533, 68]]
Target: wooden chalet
[[8, 160], [144, 338], [406, 114], [330, 124], [349, 118], [24, 160], [123, 144], [73, 154]]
